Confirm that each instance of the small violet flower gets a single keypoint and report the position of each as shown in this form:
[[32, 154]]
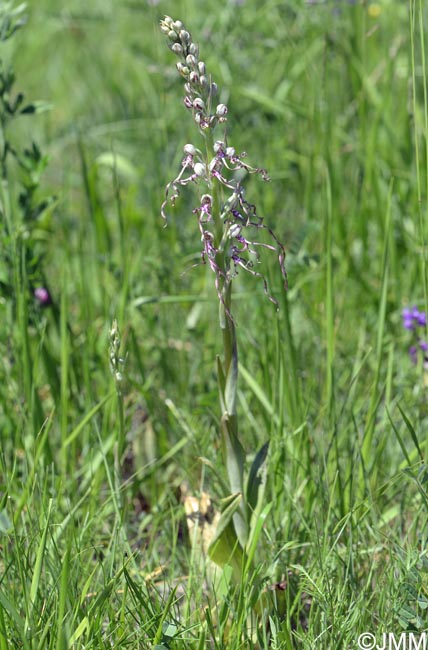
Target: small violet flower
[[412, 319]]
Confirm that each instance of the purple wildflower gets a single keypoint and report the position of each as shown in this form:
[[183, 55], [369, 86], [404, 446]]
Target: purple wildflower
[[420, 318], [413, 318], [42, 296], [413, 353], [407, 319]]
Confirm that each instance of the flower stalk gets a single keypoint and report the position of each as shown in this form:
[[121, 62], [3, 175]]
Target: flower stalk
[[230, 230]]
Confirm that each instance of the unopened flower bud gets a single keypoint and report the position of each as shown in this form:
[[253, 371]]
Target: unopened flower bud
[[194, 49], [185, 36], [187, 88], [221, 110], [173, 36], [188, 102], [191, 61], [203, 81], [168, 21], [194, 78], [214, 89], [183, 69], [177, 25], [198, 104], [177, 48], [200, 169], [201, 67], [189, 149]]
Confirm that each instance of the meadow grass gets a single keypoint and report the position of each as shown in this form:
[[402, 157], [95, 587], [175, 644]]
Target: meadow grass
[[95, 548]]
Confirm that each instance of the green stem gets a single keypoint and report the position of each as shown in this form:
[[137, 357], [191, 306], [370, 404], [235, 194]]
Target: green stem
[[233, 453]]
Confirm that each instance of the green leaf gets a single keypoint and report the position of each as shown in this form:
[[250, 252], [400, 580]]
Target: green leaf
[[412, 431], [5, 523], [230, 391], [36, 107], [221, 380], [235, 458], [169, 630], [257, 477], [256, 527], [225, 548]]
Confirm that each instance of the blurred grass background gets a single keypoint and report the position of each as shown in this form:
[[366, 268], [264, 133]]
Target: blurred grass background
[[330, 97]]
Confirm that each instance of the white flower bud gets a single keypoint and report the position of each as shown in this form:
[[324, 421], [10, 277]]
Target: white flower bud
[[221, 110], [194, 77], [194, 49], [168, 21], [214, 89], [176, 48], [172, 36], [177, 25], [198, 104], [189, 149], [203, 81], [201, 67], [200, 169], [191, 61], [188, 102], [187, 88], [185, 36]]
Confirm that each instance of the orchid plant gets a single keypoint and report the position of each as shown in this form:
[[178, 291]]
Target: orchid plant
[[230, 229]]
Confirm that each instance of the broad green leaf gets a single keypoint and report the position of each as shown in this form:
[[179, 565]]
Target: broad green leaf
[[235, 458], [225, 548]]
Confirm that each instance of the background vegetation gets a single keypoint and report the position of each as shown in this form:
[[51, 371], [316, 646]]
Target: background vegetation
[[95, 551]]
